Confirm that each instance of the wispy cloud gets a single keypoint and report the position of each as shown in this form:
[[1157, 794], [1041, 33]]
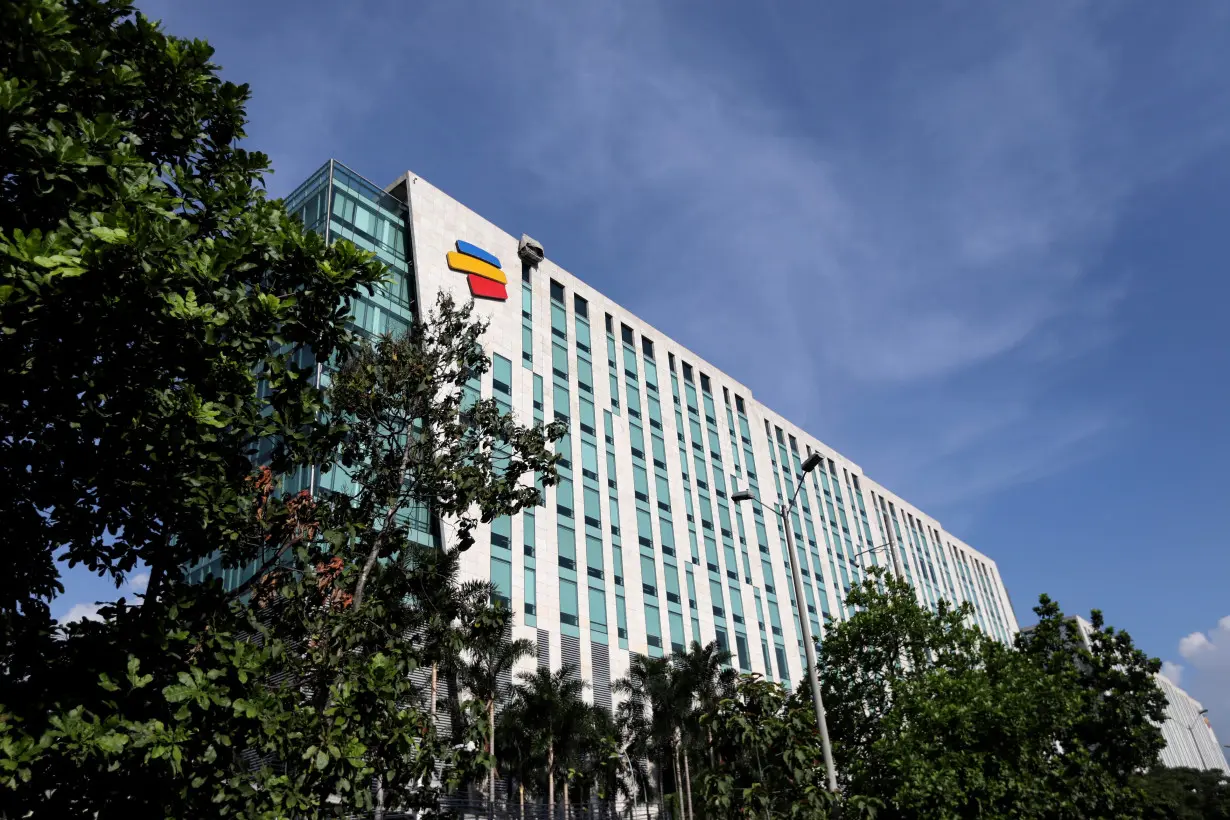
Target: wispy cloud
[[894, 234], [927, 241]]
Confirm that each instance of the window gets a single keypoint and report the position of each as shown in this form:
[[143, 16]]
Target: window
[[557, 292], [704, 383], [739, 403], [745, 661], [687, 371], [647, 347], [580, 306], [626, 334], [610, 325], [670, 358]]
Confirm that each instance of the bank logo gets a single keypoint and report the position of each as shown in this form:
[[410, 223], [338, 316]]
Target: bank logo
[[486, 279]]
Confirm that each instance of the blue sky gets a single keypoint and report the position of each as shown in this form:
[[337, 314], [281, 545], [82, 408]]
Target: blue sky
[[978, 248]]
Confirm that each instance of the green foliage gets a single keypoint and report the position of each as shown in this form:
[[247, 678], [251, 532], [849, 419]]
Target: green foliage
[[405, 403], [161, 327], [937, 720], [551, 725], [1185, 794], [146, 287], [768, 759]]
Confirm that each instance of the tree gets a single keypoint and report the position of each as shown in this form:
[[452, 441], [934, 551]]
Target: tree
[[706, 677], [486, 664], [520, 757], [936, 719], [768, 760], [447, 609], [146, 287], [554, 701], [416, 441], [294, 696], [654, 712], [601, 759], [1185, 794]]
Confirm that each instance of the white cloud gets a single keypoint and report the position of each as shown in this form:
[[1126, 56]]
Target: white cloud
[[139, 582], [82, 612], [1207, 672], [1173, 671], [1195, 645]]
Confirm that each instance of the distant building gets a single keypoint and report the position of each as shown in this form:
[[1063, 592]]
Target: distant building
[[1190, 740]]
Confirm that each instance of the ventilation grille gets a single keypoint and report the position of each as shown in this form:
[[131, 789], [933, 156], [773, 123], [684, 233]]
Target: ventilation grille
[[570, 654], [505, 678], [600, 656], [544, 649]]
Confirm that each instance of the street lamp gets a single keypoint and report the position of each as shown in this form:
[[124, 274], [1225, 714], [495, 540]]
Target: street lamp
[[892, 554], [1191, 731], [809, 646]]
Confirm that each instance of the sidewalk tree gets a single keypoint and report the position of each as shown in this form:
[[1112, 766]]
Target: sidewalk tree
[[930, 715], [162, 323], [768, 760], [554, 700]]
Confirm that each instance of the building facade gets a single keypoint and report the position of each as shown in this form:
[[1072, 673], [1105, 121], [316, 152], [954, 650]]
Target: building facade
[[639, 548]]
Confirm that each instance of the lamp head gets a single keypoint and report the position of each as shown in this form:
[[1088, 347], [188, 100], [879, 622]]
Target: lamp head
[[811, 463], [741, 495]]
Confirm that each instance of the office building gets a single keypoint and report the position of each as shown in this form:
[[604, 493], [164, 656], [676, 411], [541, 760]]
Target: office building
[[639, 548]]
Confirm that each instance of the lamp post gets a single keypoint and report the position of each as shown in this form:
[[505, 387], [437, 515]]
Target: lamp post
[[892, 553], [1191, 731], [809, 646]]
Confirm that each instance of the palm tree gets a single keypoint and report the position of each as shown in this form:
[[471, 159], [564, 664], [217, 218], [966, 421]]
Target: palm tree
[[602, 760], [487, 661], [654, 710], [554, 701], [705, 675], [446, 608], [520, 755]]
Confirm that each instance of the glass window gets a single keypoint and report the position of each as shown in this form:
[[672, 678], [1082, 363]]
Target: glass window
[[745, 660], [501, 578], [501, 374], [568, 601], [557, 292], [597, 609]]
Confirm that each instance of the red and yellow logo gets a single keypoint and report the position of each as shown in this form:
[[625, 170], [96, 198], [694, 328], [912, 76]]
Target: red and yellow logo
[[486, 279]]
